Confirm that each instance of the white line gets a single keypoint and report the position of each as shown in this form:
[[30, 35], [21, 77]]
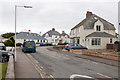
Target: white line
[[77, 75], [103, 75]]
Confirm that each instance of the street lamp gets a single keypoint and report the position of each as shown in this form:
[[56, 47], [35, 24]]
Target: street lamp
[[15, 23]]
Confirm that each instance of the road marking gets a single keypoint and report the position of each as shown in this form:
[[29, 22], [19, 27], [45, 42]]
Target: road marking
[[39, 68], [95, 62], [82, 76], [103, 75]]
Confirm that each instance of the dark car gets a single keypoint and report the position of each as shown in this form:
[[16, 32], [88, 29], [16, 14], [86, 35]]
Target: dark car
[[2, 46], [4, 56], [74, 46], [29, 46], [43, 44]]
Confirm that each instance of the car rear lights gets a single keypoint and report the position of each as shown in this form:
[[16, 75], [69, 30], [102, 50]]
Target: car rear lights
[[4, 47], [25, 46], [68, 46], [35, 46]]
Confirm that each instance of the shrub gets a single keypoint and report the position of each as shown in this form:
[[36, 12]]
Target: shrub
[[61, 44], [18, 44], [8, 43]]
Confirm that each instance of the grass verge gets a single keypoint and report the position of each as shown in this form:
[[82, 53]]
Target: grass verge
[[3, 70]]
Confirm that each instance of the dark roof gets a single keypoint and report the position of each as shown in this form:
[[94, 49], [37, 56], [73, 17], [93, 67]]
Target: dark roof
[[88, 23], [101, 34], [51, 32], [27, 35], [63, 34]]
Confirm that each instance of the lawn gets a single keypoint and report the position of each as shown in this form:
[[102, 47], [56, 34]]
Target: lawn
[[3, 69]]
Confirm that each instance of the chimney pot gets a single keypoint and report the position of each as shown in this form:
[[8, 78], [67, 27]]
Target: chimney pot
[[88, 14], [53, 29]]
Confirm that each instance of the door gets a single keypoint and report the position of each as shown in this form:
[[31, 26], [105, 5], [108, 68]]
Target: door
[[78, 41]]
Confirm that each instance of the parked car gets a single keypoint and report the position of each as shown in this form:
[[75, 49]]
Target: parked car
[[43, 44], [4, 56], [2, 46], [74, 46], [29, 46]]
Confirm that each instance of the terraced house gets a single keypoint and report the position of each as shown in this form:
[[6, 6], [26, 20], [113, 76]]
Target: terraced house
[[93, 32]]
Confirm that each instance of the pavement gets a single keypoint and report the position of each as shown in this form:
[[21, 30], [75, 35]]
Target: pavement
[[24, 67]]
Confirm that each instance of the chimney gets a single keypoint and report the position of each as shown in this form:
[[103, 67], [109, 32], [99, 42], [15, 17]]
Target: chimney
[[88, 14], [40, 33], [29, 31], [53, 29], [63, 31]]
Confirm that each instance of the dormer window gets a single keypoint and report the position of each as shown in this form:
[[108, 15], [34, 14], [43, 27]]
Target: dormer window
[[98, 28]]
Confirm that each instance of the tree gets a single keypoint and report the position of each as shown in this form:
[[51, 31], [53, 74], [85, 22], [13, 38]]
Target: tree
[[10, 42], [8, 35]]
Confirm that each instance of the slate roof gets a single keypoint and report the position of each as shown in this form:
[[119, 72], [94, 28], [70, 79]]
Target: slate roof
[[27, 35], [88, 23], [101, 34], [51, 32], [63, 34]]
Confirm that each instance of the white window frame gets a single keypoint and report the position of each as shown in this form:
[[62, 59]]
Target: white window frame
[[98, 27], [97, 41]]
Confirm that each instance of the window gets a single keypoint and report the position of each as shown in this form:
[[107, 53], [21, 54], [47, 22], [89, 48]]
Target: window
[[98, 28], [43, 40], [38, 41], [79, 29], [111, 40], [96, 41]]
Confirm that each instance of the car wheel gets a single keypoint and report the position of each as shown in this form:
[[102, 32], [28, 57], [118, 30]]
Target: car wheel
[[5, 58]]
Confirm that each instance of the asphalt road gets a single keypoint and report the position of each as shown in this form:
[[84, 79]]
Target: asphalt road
[[61, 65]]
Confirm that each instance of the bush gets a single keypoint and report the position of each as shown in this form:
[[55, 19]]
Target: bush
[[8, 43], [61, 44], [18, 44]]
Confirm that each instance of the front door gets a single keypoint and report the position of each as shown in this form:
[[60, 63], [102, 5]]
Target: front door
[[78, 41]]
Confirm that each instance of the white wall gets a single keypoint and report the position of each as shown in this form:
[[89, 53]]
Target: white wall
[[82, 33], [104, 42]]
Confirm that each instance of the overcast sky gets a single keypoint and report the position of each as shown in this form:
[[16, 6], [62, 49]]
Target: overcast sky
[[58, 14]]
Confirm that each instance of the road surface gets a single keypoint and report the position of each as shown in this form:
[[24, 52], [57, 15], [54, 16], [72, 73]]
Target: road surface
[[61, 65]]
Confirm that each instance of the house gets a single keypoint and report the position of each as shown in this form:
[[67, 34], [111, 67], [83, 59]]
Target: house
[[93, 32], [28, 36], [52, 36], [64, 38]]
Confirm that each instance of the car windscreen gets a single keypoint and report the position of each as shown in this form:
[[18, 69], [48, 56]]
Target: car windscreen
[[30, 43], [1, 44]]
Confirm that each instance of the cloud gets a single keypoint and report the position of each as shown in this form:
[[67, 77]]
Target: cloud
[[62, 15]]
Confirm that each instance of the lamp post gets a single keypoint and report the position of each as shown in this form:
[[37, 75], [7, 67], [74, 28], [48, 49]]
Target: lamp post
[[15, 23]]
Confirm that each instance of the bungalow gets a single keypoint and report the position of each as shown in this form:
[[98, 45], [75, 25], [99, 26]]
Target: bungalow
[[93, 32], [28, 36]]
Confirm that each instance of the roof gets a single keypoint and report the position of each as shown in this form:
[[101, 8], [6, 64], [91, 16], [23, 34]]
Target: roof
[[88, 23], [101, 34], [51, 32], [63, 34], [1, 37], [27, 35]]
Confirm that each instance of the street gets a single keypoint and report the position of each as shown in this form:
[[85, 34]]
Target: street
[[61, 65]]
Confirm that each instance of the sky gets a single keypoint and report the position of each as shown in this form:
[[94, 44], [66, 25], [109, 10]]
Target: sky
[[58, 14]]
